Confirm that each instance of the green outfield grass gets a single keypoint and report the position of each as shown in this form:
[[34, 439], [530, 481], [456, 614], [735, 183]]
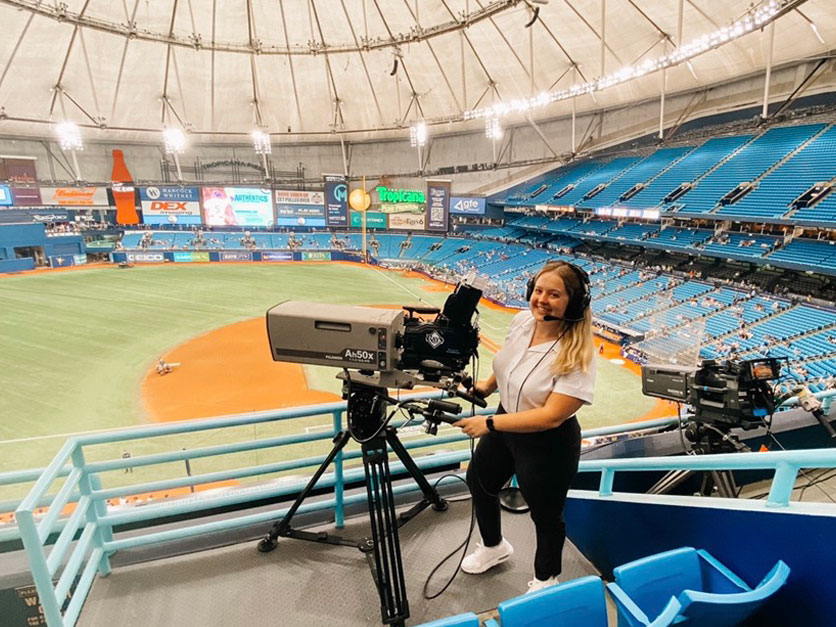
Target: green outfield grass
[[76, 346]]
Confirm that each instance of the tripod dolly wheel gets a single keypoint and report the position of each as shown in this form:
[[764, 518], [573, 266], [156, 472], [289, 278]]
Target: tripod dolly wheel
[[267, 545]]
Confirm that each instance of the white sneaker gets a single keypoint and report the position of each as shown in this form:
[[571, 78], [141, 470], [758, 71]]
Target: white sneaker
[[535, 584], [486, 557]]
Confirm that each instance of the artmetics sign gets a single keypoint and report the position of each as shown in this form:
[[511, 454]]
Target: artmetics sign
[[237, 206], [75, 196], [163, 204]]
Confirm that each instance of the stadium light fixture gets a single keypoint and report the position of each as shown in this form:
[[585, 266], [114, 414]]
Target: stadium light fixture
[[261, 143], [756, 18], [174, 141], [69, 136], [493, 128], [418, 135]]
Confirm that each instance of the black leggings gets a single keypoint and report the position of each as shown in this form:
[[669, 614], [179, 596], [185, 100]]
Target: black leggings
[[545, 463]]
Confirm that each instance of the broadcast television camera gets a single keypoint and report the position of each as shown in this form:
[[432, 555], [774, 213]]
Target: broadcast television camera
[[725, 394], [389, 348]]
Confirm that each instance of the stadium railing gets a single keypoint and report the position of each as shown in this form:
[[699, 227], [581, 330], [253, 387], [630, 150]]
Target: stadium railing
[[78, 559]]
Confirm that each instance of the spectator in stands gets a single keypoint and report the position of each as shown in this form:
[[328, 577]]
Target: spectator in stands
[[544, 374]]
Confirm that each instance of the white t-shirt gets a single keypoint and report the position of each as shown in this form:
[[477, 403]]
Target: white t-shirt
[[524, 374]]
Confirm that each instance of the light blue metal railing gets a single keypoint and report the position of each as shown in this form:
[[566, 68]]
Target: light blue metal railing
[[85, 541]]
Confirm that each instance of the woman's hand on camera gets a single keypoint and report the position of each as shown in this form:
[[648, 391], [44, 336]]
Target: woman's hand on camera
[[474, 427], [481, 390]]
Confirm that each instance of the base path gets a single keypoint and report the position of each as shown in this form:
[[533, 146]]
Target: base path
[[226, 371]]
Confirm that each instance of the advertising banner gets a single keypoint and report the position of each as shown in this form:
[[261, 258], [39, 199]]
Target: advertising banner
[[122, 190], [146, 257], [466, 205], [438, 205], [20, 169], [49, 215], [336, 200], [170, 204], [277, 256], [374, 220], [316, 256], [237, 206], [79, 260], [235, 255], [409, 221], [189, 257], [294, 208], [5, 196], [75, 196], [26, 196], [61, 261]]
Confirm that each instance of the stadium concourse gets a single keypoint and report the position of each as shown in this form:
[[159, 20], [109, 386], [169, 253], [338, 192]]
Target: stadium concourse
[[170, 171]]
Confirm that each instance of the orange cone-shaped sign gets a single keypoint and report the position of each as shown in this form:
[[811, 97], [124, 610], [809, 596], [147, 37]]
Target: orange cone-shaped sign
[[123, 191]]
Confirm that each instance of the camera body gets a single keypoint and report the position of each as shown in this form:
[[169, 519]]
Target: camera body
[[727, 394], [403, 349]]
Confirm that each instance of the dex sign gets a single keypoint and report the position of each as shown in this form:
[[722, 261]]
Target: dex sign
[[170, 204]]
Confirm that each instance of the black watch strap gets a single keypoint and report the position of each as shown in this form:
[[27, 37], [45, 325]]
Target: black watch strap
[[489, 424]]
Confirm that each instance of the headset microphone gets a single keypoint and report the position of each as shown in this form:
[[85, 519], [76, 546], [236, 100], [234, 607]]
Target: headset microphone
[[551, 318]]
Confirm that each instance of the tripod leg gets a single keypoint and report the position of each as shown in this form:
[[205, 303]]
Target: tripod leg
[[726, 485], [385, 542], [670, 481], [430, 493], [281, 527]]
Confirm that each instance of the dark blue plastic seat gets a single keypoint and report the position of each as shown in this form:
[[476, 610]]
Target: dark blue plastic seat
[[687, 586], [576, 603]]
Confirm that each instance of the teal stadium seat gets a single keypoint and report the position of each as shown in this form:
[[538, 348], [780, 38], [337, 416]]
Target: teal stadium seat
[[576, 603], [690, 587]]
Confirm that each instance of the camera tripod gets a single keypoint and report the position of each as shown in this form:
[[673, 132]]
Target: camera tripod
[[367, 424], [707, 439]]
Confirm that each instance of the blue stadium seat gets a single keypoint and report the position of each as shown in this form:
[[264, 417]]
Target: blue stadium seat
[[579, 602], [460, 620], [687, 585]]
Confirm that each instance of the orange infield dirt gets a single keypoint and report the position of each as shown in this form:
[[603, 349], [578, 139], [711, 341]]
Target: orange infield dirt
[[229, 371]]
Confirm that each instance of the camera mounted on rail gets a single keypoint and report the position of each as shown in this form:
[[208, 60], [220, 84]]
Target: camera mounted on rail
[[726, 394]]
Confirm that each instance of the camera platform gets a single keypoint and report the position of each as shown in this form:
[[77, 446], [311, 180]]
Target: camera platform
[[367, 424]]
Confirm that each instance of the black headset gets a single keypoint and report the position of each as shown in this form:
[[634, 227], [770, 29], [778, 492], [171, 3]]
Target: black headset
[[579, 302]]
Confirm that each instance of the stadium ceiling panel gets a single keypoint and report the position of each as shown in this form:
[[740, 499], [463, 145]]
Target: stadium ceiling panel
[[310, 69]]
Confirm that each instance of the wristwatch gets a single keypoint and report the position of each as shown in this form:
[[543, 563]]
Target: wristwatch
[[489, 424]]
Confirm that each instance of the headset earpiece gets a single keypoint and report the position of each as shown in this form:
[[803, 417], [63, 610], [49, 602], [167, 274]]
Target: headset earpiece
[[580, 301]]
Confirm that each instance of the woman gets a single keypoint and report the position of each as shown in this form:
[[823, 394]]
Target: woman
[[544, 374]]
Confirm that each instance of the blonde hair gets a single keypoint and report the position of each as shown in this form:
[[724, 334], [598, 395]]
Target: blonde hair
[[577, 345]]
